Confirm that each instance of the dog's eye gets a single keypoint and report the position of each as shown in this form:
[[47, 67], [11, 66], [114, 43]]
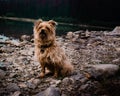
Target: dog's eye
[[40, 27], [47, 28]]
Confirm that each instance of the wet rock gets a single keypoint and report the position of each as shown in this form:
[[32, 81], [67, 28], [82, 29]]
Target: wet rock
[[103, 70], [51, 91], [12, 87], [2, 74]]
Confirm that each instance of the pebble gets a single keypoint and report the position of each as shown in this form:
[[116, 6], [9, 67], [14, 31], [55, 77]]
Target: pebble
[[12, 87], [17, 93], [51, 91], [2, 74]]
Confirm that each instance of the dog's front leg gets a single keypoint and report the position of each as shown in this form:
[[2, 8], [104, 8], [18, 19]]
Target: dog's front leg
[[42, 74], [56, 71]]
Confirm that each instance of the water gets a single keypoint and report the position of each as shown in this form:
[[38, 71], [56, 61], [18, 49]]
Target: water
[[15, 28], [18, 28]]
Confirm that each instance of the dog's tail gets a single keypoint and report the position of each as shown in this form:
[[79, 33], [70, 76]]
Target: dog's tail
[[67, 69]]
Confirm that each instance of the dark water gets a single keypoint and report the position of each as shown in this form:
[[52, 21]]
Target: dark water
[[17, 28]]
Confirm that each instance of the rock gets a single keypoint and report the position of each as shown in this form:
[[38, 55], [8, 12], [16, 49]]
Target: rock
[[2, 66], [55, 82], [77, 77], [25, 38], [67, 81], [118, 49], [116, 29], [78, 32], [51, 91], [115, 32], [103, 70], [17, 93], [84, 86], [84, 35], [31, 85], [12, 87], [70, 35], [31, 51], [13, 75], [116, 61], [22, 85], [36, 81], [13, 42], [2, 74], [3, 38]]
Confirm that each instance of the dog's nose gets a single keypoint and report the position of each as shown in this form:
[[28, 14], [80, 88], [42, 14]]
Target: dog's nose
[[42, 31]]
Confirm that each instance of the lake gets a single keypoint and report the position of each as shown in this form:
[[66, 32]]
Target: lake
[[15, 29]]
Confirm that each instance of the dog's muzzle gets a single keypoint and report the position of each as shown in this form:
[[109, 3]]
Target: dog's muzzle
[[43, 34]]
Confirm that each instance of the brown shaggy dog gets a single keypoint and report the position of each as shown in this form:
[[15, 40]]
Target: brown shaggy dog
[[47, 50]]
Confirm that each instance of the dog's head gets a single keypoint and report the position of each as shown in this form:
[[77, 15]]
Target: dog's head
[[44, 31]]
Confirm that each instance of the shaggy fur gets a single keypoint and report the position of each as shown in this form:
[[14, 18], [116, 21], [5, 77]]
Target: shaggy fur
[[47, 50]]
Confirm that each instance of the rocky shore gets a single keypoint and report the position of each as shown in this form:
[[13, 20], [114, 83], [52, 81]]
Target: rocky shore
[[94, 54]]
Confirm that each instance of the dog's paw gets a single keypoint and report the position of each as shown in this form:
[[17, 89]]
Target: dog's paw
[[42, 75], [55, 76]]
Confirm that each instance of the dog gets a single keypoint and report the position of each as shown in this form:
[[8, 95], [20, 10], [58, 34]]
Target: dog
[[48, 51]]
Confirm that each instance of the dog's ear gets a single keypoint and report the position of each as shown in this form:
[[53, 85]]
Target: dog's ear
[[52, 22], [37, 22]]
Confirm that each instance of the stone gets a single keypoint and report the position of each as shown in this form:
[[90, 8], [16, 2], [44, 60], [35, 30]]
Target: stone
[[22, 85], [55, 82], [12, 87], [118, 49], [51, 91], [3, 66], [83, 87], [67, 81], [2, 74], [31, 85], [116, 29], [25, 38], [84, 35], [36, 81], [103, 70], [17, 93], [70, 35]]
